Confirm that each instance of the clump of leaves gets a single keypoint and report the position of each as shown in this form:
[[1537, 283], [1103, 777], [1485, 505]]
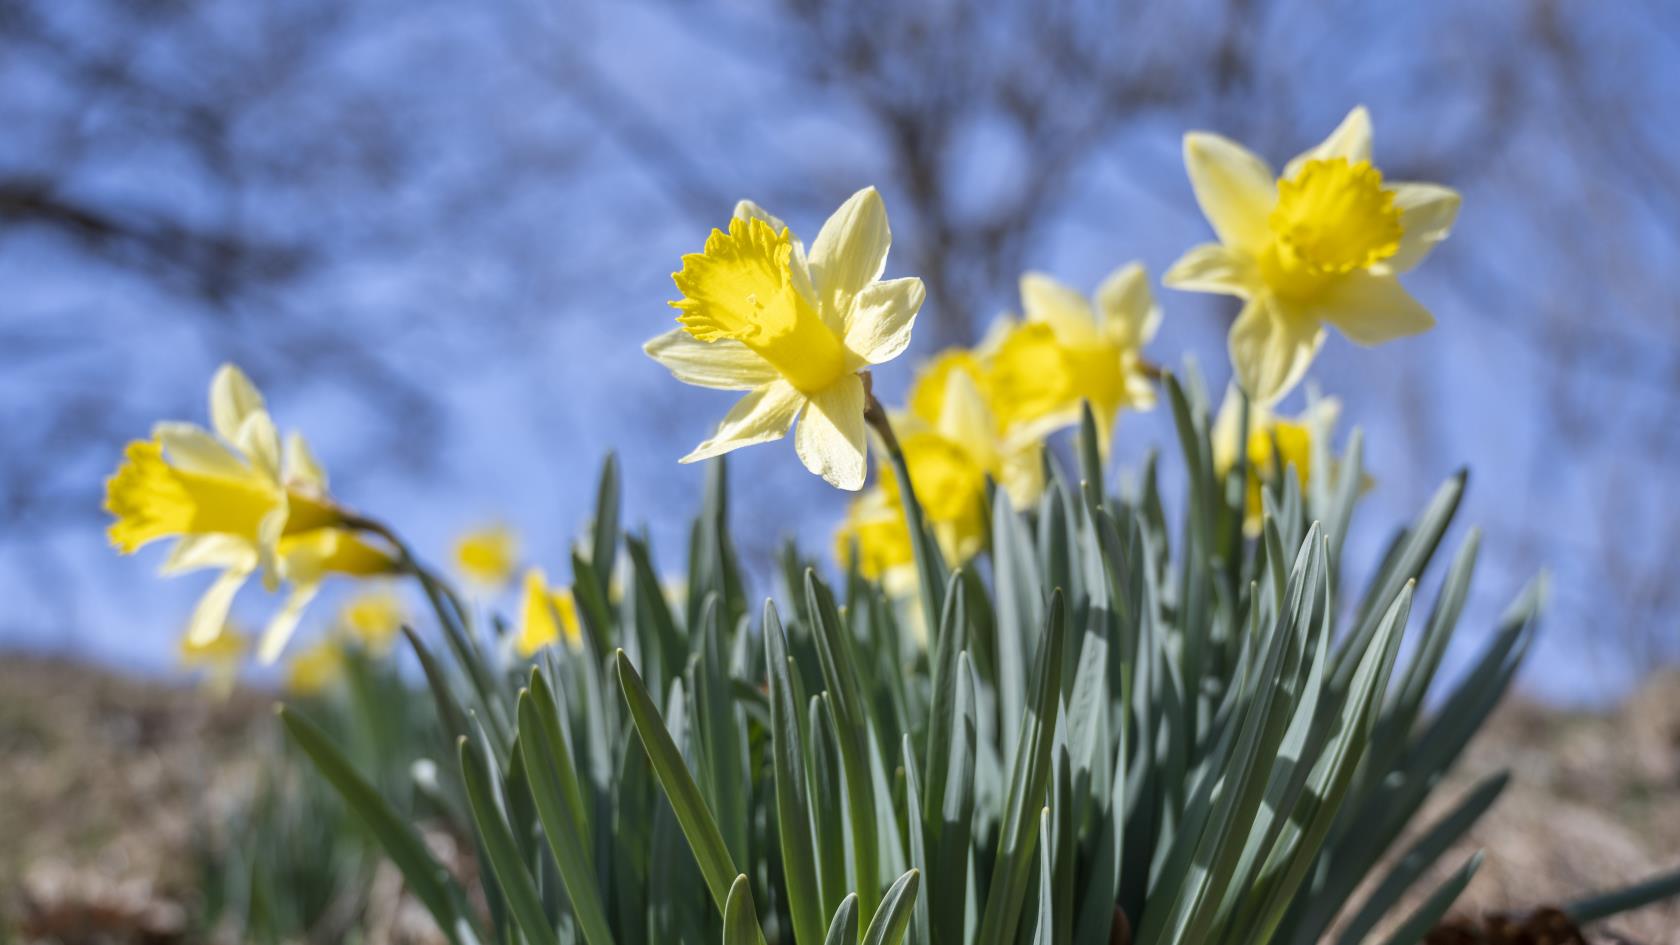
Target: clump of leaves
[[1116, 727]]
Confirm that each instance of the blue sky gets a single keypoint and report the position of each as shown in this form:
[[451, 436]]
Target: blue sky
[[499, 248]]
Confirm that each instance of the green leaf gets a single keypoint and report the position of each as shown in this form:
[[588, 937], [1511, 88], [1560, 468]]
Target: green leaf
[[1417, 926], [843, 930], [1028, 785], [513, 879], [740, 920], [666, 760], [429, 880], [1422, 855], [787, 755], [603, 548], [559, 802], [893, 917]]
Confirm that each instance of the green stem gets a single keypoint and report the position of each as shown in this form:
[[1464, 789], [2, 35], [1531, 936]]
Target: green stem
[[452, 614]]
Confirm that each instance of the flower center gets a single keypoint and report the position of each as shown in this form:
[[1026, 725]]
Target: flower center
[[742, 288], [1331, 218], [152, 499]]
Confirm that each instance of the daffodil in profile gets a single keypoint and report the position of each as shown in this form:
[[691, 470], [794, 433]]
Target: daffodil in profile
[[234, 500], [1274, 445], [1322, 245], [547, 614], [792, 329], [1069, 350]]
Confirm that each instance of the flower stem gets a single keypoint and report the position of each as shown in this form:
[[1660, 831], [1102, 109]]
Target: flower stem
[[930, 566]]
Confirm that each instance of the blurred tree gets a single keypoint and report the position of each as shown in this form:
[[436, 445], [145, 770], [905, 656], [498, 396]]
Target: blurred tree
[[368, 195]]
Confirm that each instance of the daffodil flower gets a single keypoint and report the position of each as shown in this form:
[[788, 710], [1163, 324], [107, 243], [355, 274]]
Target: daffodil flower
[[372, 618], [793, 330], [488, 555], [316, 667], [1322, 245], [956, 396], [547, 615], [874, 532], [952, 443], [1273, 443], [219, 658], [234, 500], [1069, 350]]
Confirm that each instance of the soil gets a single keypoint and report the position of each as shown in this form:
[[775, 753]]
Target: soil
[[105, 780]]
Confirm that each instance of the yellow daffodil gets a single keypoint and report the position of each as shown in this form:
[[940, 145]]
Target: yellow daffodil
[[236, 502], [546, 615], [875, 532], [373, 618], [316, 667], [218, 658], [759, 315], [1273, 443], [488, 555], [951, 444], [956, 395], [1322, 245], [1069, 350]]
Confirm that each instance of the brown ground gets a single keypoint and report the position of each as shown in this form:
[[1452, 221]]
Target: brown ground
[[103, 778]]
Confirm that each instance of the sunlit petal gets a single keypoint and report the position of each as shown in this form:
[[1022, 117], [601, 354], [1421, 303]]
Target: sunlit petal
[[1234, 187], [762, 415], [831, 438], [722, 365]]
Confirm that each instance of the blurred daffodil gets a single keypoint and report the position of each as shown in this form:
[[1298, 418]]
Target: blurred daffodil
[[1068, 349], [488, 555], [1322, 245], [372, 618], [547, 614], [218, 658], [874, 531], [951, 445], [955, 395], [234, 501], [316, 667], [1274, 445], [759, 315]]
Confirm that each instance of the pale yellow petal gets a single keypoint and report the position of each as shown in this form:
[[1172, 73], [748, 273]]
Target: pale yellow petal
[[1129, 313], [1213, 267], [1234, 188], [284, 622], [209, 617], [1271, 348], [966, 419], [1068, 314], [260, 442], [831, 438], [748, 210], [1350, 140], [215, 550], [882, 317], [232, 398], [1427, 214], [762, 415], [722, 365], [191, 448], [301, 467], [1371, 309], [850, 251]]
